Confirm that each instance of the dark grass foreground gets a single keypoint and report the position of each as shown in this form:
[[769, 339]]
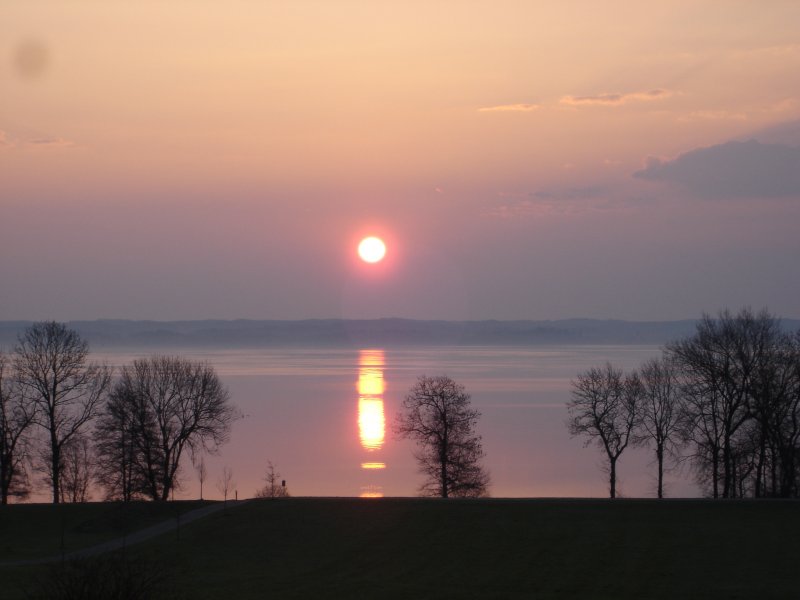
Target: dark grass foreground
[[31, 531], [412, 548]]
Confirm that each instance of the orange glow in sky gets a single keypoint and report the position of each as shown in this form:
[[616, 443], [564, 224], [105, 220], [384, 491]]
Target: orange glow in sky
[[508, 160]]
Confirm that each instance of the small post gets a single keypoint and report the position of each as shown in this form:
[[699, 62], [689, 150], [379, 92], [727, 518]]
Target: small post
[[63, 529], [124, 528]]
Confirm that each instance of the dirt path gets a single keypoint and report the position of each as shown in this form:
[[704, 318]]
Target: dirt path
[[130, 539]]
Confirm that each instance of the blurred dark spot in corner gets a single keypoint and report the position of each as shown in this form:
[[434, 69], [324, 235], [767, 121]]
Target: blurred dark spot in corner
[[31, 58]]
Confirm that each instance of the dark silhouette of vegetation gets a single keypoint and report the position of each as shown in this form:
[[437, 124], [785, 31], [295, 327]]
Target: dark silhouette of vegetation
[[741, 388], [158, 409], [62, 388], [202, 472], [110, 577], [603, 408], [225, 483], [730, 393], [274, 486], [16, 419], [77, 476], [117, 449], [437, 415], [659, 424]]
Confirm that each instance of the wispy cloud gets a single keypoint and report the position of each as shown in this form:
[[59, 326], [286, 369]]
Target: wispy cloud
[[616, 99], [4, 141], [511, 108], [50, 142], [555, 202]]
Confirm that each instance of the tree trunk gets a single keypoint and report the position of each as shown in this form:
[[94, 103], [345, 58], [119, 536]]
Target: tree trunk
[[55, 463], [4, 485], [613, 477], [443, 474], [5, 481], [660, 459], [760, 475], [715, 472], [726, 465]]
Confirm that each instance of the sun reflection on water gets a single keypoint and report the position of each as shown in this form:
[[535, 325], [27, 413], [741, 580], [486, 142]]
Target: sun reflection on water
[[371, 419], [371, 491]]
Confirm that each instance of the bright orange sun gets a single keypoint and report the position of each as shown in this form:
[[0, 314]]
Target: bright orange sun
[[372, 249]]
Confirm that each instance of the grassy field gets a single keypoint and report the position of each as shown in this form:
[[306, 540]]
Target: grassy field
[[35, 530], [413, 548]]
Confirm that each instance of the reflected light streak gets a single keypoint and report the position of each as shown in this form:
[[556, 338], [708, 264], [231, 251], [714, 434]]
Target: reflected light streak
[[373, 465], [371, 417], [371, 491]]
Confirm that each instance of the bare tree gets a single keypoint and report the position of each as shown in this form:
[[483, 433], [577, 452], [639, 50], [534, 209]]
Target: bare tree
[[117, 450], [773, 434], [225, 483], [438, 417], [274, 486], [109, 576], [77, 472], [16, 418], [55, 376], [202, 472], [175, 405], [720, 364], [603, 408], [659, 422]]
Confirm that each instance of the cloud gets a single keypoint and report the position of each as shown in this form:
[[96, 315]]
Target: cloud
[[50, 142], [567, 201], [616, 99], [786, 134], [735, 169], [4, 141], [511, 108]]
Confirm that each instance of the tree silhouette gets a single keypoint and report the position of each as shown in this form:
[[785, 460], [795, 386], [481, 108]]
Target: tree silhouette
[[740, 379], [202, 472], [78, 470], [659, 424], [166, 405], [603, 408], [64, 388], [225, 483], [273, 484], [16, 418], [437, 416]]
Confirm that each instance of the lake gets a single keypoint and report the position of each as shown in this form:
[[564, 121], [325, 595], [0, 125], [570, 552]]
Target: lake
[[324, 418]]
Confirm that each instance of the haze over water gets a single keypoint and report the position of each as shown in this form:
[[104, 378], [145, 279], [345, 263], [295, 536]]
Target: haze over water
[[324, 417]]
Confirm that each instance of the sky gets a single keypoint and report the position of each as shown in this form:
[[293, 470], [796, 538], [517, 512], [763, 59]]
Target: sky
[[522, 160]]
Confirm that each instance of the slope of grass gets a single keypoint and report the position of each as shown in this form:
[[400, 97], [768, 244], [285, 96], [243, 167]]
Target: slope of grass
[[35, 530], [412, 548]]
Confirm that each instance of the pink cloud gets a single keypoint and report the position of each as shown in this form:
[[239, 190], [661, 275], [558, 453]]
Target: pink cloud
[[522, 107], [616, 99], [51, 142]]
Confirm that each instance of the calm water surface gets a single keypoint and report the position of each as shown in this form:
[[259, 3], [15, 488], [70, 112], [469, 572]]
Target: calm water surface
[[324, 417]]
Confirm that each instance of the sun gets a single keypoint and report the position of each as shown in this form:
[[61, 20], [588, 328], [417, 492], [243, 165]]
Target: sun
[[372, 249]]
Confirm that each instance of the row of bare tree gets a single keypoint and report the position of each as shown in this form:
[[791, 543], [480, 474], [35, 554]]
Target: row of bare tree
[[72, 421], [725, 400]]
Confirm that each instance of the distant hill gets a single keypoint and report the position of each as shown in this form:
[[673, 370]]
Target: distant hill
[[384, 332]]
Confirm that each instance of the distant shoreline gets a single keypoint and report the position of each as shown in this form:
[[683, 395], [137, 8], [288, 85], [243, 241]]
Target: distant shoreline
[[360, 332]]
